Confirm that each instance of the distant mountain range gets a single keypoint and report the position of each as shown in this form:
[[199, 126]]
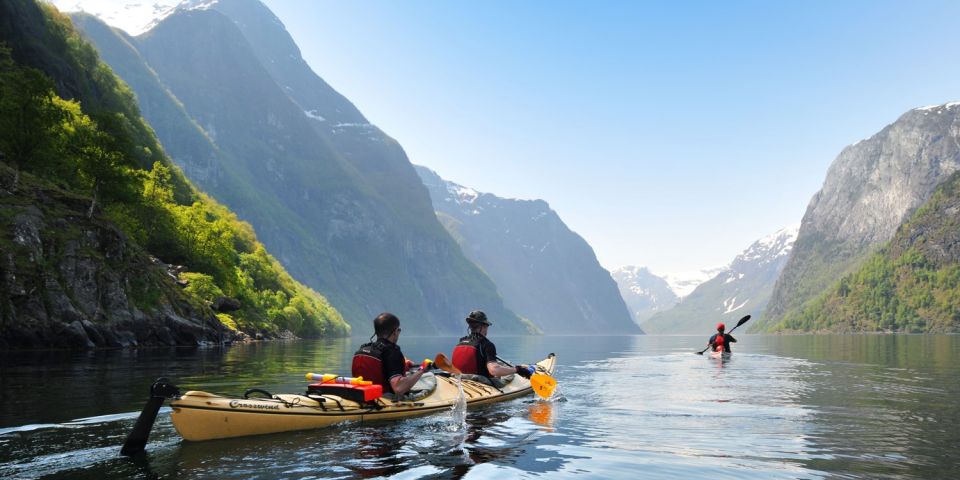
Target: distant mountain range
[[544, 271], [334, 198], [741, 288], [644, 292]]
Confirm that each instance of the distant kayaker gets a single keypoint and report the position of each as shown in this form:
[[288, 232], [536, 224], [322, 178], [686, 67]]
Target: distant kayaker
[[381, 360], [477, 355], [721, 340]]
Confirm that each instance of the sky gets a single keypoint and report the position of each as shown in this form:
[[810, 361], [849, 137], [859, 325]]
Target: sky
[[667, 134]]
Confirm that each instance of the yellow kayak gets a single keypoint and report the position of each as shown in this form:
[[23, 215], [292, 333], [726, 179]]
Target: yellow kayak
[[206, 416]]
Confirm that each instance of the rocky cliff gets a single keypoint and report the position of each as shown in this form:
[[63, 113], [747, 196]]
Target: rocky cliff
[[69, 281], [911, 285], [870, 189]]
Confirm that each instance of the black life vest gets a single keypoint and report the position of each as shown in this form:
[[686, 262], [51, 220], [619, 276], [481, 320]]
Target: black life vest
[[469, 357], [368, 363]]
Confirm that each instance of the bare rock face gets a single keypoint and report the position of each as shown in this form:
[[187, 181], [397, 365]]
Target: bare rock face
[[870, 189], [70, 282]]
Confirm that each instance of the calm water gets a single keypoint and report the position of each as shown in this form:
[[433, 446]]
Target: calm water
[[782, 407]]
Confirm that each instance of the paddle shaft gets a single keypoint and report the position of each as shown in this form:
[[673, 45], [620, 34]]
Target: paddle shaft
[[504, 361], [137, 439]]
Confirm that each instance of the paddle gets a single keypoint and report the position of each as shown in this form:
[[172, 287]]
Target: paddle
[[542, 383], [741, 322], [137, 440], [442, 363]]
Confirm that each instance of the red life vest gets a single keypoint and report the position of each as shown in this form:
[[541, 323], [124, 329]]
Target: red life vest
[[368, 363], [719, 343], [466, 355]]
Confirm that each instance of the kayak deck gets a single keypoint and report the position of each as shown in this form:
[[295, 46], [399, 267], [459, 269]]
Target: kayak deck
[[205, 416]]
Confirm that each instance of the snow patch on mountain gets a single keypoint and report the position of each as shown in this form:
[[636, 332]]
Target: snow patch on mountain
[[132, 17], [314, 114], [730, 305], [937, 108], [684, 283]]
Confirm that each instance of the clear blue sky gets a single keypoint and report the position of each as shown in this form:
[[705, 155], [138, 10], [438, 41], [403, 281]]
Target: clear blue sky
[[668, 134]]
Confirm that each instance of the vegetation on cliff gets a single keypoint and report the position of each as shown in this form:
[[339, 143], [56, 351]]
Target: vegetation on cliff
[[70, 125], [911, 285]]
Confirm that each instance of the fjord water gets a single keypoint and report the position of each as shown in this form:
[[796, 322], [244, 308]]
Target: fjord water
[[875, 406]]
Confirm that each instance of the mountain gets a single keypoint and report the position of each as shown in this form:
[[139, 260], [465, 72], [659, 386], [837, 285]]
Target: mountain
[[133, 17], [330, 194], [912, 284], [744, 287], [684, 283], [545, 272], [105, 242], [870, 189], [644, 292]]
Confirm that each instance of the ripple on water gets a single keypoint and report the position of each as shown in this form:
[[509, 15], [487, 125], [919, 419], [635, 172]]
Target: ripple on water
[[654, 412]]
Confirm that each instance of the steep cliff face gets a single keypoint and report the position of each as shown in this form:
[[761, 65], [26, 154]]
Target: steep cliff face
[[911, 285], [870, 189], [69, 281], [330, 194], [742, 288], [644, 292], [545, 272]]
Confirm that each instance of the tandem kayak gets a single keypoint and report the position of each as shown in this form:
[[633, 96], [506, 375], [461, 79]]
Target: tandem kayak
[[720, 354], [205, 416]]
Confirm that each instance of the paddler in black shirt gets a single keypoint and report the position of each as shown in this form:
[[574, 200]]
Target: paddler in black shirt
[[382, 362], [721, 340]]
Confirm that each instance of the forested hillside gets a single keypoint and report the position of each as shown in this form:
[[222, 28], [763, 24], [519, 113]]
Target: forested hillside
[[330, 194], [911, 285], [95, 217]]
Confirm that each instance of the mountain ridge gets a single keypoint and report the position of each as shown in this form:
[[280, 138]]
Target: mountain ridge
[[545, 272], [743, 287]]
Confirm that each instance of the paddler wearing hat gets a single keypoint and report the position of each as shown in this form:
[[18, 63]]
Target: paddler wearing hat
[[476, 354]]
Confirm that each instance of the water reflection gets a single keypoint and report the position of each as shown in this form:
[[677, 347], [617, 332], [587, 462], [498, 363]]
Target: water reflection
[[541, 413], [782, 407]]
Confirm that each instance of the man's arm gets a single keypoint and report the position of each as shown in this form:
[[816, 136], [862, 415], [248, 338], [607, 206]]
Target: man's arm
[[498, 370], [402, 385]]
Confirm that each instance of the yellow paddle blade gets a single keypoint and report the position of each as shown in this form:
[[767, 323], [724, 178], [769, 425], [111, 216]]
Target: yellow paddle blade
[[443, 364], [543, 384]]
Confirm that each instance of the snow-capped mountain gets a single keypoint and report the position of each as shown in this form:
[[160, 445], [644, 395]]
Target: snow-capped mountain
[[131, 16], [744, 287], [644, 292], [684, 283]]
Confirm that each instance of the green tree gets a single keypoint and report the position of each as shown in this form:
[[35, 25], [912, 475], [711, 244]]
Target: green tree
[[28, 117]]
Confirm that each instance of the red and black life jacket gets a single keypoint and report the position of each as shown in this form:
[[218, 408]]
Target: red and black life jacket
[[719, 343], [368, 363], [469, 357]]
